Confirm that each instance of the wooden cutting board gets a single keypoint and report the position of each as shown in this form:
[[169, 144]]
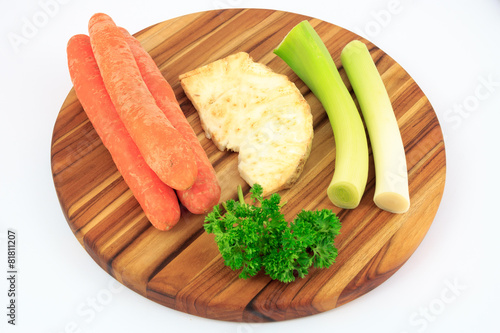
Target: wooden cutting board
[[181, 268]]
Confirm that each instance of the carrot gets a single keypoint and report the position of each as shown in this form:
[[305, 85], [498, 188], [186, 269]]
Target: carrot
[[205, 192], [158, 201], [161, 145]]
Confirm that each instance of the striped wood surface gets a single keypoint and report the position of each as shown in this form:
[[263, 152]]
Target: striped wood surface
[[181, 268]]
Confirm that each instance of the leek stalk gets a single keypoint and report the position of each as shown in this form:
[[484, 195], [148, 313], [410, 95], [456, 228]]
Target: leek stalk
[[306, 54], [391, 176]]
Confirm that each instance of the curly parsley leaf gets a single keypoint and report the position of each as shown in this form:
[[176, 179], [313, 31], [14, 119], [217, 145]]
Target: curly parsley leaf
[[256, 236]]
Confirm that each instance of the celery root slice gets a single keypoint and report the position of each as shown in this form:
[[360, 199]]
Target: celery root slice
[[391, 176], [304, 51]]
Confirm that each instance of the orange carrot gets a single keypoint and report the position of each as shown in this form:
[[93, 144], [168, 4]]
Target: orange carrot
[[205, 192], [164, 149], [158, 201]]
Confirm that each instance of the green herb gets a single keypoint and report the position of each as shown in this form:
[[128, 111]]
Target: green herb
[[255, 236]]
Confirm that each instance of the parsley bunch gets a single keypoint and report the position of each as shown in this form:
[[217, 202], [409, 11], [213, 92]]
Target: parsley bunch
[[251, 237]]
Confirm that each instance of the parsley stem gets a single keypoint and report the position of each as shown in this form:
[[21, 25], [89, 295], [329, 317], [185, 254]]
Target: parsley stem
[[241, 197]]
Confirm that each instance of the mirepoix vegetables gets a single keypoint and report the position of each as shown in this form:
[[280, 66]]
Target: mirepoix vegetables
[[304, 51], [391, 176], [164, 149], [256, 235], [205, 191], [158, 200]]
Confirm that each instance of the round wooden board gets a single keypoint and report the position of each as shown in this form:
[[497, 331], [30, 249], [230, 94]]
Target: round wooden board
[[181, 268]]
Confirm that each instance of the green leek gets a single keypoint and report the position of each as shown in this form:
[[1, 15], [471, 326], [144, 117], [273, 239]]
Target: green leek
[[391, 176], [306, 54]]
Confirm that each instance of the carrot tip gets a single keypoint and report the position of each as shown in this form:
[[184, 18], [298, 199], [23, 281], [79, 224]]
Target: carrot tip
[[99, 17]]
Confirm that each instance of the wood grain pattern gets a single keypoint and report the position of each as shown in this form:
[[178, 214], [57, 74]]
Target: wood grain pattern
[[181, 268]]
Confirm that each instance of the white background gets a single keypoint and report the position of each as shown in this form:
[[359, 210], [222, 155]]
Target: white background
[[450, 284]]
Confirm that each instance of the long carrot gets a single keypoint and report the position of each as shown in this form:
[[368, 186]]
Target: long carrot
[[161, 145], [158, 201], [205, 192]]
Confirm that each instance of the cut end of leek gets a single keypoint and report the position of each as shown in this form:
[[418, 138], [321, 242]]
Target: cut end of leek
[[392, 202], [344, 195], [353, 48]]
